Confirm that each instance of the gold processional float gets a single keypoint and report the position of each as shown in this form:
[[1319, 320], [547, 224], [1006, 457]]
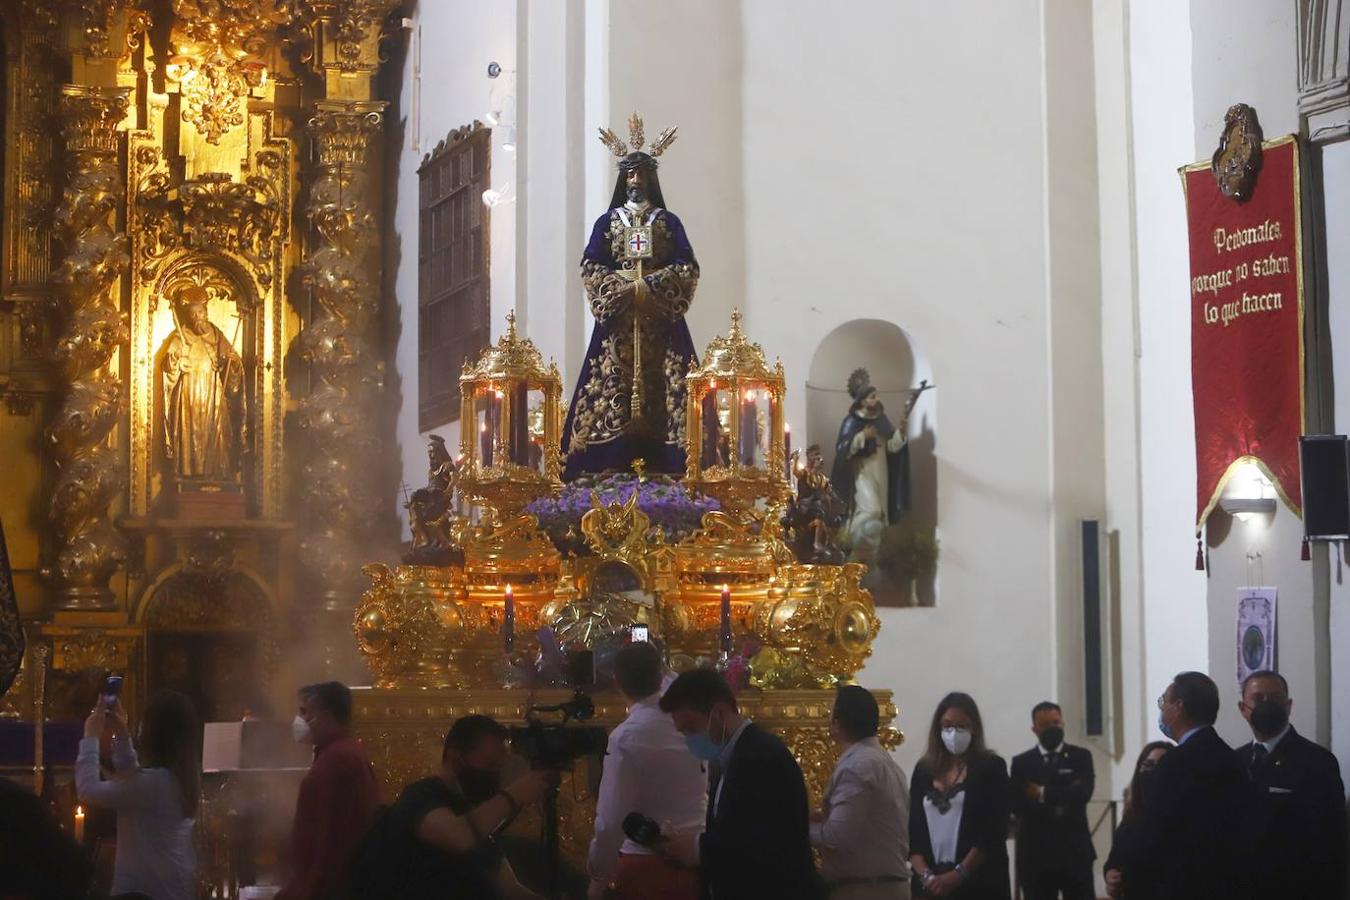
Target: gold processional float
[[473, 633]]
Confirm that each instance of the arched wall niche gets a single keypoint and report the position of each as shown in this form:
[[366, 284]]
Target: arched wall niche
[[210, 633], [895, 364]]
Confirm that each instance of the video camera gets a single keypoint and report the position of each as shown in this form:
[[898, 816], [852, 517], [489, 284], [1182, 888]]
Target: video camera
[[556, 745]]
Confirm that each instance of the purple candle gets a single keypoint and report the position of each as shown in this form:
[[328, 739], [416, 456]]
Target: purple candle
[[749, 429], [724, 635], [509, 620], [485, 445], [787, 451]]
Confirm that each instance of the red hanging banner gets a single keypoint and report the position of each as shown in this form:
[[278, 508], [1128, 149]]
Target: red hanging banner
[[1246, 317]]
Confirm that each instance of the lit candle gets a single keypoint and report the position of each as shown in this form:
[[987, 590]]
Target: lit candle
[[787, 450], [79, 824], [749, 429], [485, 444], [509, 620], [724, 636]]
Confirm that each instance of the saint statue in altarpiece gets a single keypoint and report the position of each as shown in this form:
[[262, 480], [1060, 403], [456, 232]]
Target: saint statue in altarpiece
[[640, 275], [203, 394]]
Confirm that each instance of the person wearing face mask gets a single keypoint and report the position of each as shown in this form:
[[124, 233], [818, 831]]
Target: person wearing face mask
[[1187, 845], [1122, 884], [439, 839], [1051, 786], [338, 796], [958, 819], [862, 828], [755, 842], [1293, 826]]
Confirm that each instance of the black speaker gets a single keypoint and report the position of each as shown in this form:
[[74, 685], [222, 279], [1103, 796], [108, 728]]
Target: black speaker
[[1094, 706], [1324, 467]]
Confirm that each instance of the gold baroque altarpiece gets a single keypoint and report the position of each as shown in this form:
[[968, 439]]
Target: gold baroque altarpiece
[[189, 295]]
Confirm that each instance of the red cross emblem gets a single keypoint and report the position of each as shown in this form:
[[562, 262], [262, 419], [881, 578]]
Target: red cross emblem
[[638, 242]]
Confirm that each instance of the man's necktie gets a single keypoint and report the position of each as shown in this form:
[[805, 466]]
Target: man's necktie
[[1259, 754]]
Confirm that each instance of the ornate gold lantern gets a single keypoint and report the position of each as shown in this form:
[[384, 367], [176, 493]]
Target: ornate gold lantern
[[504, 466], [735, 424]]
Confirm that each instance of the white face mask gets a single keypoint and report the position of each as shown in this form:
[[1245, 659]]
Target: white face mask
[[956, 740], [300, 731]]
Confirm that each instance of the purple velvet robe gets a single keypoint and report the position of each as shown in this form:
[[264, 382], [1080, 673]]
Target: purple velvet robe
[[601, 434]]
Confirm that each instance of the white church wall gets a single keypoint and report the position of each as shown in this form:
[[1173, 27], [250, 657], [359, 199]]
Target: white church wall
[[1128, 714], [1074, 310], [679, 64], [882, 181], [458, 40], [1173, 616]]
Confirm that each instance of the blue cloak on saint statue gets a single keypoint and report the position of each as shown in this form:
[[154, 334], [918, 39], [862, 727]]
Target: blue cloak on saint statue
[[604, 431]]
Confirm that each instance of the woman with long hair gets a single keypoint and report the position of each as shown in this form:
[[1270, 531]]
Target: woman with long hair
[[155, 795], [1119, 883], [958, 814]]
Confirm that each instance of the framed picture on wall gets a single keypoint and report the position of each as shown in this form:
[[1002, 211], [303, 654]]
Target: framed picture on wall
[[1255, 630]]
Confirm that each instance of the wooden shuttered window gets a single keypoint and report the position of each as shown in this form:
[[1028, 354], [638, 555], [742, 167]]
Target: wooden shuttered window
[[452, 260]]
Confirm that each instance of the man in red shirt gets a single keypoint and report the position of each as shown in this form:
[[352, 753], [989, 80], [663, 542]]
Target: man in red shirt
[[338, 798]]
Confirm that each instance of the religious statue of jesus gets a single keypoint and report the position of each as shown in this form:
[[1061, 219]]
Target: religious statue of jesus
[[639, 273]]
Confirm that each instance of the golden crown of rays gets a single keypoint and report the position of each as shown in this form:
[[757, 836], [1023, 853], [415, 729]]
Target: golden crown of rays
[[636, 138]]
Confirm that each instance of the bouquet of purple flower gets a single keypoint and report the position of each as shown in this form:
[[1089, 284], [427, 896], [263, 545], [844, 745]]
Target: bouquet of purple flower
[[670, 506]]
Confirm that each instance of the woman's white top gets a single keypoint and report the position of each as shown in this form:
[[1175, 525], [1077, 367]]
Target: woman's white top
[[155, 853], [944, 828]]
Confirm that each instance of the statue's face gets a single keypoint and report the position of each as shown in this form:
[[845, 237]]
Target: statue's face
[[815, 459], [636, 179], [194, 317], [871, 403]]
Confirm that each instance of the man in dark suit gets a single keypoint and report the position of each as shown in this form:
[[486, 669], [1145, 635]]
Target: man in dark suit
[[1187, 846], [1293, 826], [757, 839], [1051, 786]]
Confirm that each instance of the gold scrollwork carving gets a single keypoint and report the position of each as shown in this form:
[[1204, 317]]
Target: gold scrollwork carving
[[345, 35], [89, 474], [217, 61], [818, 625]]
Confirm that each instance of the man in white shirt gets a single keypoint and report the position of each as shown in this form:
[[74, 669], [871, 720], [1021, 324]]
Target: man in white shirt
[[862, 828], [648, 769]]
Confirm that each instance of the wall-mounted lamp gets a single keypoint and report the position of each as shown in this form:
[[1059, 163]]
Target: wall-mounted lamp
[[1244, 509], [1249, 495], [498, 196]]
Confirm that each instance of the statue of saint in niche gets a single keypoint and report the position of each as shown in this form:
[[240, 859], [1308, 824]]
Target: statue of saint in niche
[[870, 465], [203, 394]]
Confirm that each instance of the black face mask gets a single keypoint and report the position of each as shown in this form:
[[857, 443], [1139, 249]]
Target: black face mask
[[479, 785], [1052, 737], [1269, 718]]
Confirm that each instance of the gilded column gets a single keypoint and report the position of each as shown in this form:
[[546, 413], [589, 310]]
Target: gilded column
[[340, 484], [94, 329]]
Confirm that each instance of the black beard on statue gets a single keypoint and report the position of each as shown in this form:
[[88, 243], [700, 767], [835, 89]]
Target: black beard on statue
[[637, 194]]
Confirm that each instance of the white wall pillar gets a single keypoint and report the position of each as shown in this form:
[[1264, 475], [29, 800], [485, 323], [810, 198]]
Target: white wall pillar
[[552, 161]]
